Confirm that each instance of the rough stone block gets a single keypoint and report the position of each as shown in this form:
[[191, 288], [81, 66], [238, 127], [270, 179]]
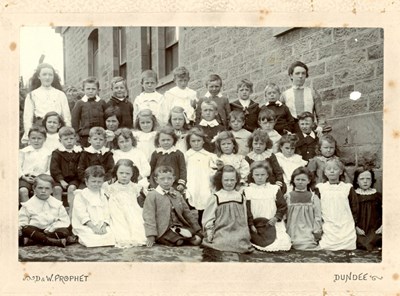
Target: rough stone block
[[322, 82], [376, 101], [363, 39], [301, 46], [379, 68], [322, 38], [358, 73], [369, 86], [309, 56], [332, 50], [257, 75], [348, 60], [375, 52], [329, 94], [358, 130], [350, 107], [327, 110]]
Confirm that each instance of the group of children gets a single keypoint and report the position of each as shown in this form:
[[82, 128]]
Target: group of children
[[257, 176]]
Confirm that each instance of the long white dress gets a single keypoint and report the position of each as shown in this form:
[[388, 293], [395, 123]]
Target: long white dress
[[338, 228], [199, 172], [91, 206], [126, 215], [263, 204], [288, 165], [52, 142], [145, 142]]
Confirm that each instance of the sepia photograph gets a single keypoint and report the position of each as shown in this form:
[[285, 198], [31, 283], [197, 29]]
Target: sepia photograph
[[200, 148], [201, 144]]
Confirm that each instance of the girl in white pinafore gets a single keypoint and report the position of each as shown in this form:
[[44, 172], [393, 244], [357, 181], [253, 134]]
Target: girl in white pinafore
[[338, 207], [265, 200], [126, 215]]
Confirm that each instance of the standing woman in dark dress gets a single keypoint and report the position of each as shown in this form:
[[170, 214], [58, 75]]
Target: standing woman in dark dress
[[369, 220]]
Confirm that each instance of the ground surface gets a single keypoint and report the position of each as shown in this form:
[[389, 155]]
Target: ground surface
[[159, 253]]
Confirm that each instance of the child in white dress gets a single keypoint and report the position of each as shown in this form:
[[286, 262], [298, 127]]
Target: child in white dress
[[265, 200], [126, 143], [287, 159], [91, 215], [226, 149], [125, 212], [145, 133], [199, 164], [339, 208], [181, 95]]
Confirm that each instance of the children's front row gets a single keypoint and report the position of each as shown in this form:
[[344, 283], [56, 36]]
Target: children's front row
[[335, 216]]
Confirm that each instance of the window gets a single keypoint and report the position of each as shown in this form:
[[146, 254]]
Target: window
[[171, 49], [93, 53], [122, 51], [160, 51]]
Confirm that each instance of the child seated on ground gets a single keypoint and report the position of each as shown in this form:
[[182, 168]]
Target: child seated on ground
[[225, 219], [369, 215], [339, 209], [266, 121], [33, 161], [265, 200], [236, 122], [91, 215], [88, 111], [214, 85], [304, 222], [120, 99], [96, 154], [63, 165], [150, 98], [123, 199], [246, 105], [167, 217], [43, 218], [284, 119], [308, 140], [209, 124], [181, 95]]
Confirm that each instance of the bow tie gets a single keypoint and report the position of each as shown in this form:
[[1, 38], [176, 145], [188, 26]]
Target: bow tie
[[170, 192], [91, 99]]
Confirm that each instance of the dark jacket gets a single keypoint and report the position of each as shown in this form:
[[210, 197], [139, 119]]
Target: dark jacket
[[250, 113]]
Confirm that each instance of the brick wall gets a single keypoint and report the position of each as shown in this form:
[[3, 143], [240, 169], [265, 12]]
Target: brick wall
[[341, 60]]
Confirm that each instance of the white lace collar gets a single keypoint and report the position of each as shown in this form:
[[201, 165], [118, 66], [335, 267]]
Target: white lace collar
[[277, 103], [103, 150], [208, 95], [76, 149], [211, 123], [369, 191], [85, 99], [259, 156], [163, 151]]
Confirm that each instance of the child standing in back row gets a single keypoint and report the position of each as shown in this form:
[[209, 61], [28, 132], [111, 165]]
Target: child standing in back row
[[214, 85], [120, 99], [181, 95], [88, 112], [150, 98]]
